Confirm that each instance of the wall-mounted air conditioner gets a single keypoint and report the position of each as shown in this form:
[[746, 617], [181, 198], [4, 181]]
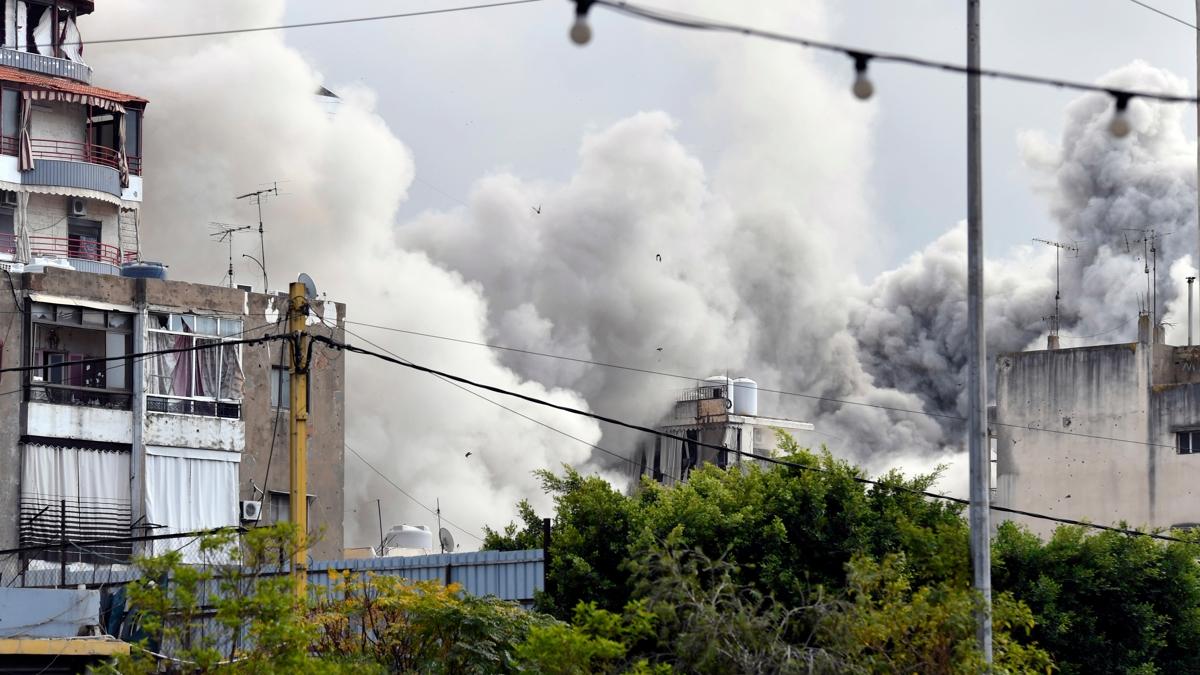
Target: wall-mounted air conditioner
[[251, 511], [78, 206]]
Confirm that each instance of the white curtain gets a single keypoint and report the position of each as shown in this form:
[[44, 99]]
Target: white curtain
[[94, 483], [232, 378], [170, 374], [25, 141], [43, 34], [186, 491], [72, 42], [21, 222], [208, 368]]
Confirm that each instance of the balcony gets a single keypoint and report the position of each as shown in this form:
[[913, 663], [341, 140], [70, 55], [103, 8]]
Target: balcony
[[72, 164], [46, 65], [83, 255]]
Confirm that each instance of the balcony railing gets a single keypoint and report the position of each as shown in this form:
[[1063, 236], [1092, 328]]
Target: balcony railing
[[71, 151], [47, 65], [72, 249]]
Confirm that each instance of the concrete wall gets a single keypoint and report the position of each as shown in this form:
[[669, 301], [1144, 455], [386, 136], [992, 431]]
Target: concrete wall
[[59, 121], [48, 217], [1081, 434], [252, 433]]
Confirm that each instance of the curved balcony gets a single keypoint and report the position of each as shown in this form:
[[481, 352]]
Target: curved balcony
[[83, 255], [71, 164], [46, 65]]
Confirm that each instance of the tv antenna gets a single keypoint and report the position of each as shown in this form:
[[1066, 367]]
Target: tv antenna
[[257, 198], [1149, 241], [224, 232], [1059, 247], [446, 540]]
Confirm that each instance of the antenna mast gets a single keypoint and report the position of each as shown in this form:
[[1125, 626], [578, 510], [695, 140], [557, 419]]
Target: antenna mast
[[256, 198], [225, 232], [1150, 268], [1055, 319]]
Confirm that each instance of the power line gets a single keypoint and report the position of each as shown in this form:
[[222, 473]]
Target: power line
[[308, 24], [406, 494], [158, 352], [501, 405], [770, 460], [862, 57], [781, 392], [1156, 10]]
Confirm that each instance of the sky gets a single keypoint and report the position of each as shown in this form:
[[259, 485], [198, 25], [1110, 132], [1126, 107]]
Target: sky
[[525, 106], [668, 200]]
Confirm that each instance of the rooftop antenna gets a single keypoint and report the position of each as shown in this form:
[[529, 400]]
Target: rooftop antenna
[[438, 503], [1055, 319], [224, 232], [1150, 268], [257, 198]]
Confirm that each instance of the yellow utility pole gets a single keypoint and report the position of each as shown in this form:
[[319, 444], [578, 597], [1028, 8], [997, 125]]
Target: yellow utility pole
[[298, 432]]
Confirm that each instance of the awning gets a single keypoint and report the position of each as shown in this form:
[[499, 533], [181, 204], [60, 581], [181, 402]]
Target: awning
[[76, 302], [48, 88]]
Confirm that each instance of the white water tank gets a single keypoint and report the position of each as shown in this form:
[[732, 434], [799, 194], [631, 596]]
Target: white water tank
[[745, 396], [718, 382], [404, 540]]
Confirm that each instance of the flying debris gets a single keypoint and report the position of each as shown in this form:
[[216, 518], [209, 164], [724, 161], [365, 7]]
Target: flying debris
[[658, 257], [537, 209], [659, 349], [468, 454]]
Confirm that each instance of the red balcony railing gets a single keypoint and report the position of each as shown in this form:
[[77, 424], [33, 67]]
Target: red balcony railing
[[72, 151], [78, 249]]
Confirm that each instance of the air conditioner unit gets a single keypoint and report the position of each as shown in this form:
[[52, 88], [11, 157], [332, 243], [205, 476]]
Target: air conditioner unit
[[251, 511], [8, 198], [78, 206]]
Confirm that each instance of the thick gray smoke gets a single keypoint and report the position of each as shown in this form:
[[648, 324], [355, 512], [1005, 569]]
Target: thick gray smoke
[[645, 255]]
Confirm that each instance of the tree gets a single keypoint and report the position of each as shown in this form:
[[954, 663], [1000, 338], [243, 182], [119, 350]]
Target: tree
[[1106, 602]]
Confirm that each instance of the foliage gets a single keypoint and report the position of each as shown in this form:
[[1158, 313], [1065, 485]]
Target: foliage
[[1107, 602], [257, 623], [514, 538], [421, 626], [786, 529], [597, 641], [892, 627]]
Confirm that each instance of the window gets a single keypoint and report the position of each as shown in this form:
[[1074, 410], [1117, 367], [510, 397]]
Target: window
[[83, 239], [63, 340], [10, 120], [279, 508], [8, 240], [205, 381], [1187, 442], [281, 388]]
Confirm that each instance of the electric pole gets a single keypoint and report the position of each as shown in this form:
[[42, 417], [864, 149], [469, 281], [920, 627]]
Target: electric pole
[[979, 452], [298, 432]]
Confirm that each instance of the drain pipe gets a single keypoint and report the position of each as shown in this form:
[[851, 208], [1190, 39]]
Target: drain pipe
[[1190, 280]]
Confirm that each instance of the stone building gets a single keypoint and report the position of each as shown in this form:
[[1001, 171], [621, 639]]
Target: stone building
[[1106, 434], [151, 445]]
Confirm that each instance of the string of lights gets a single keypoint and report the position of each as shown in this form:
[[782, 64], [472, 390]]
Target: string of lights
[[862, 87], [888, 485]]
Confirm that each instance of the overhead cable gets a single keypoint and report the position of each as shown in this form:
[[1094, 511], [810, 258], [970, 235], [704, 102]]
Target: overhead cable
[[770, 460]]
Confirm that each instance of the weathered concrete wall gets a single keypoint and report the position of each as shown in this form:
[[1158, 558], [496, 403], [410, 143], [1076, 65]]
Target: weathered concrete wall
[[1082, 434], [10, 412], [48, 217], [59, 121], [1053, 410], [259, 313], [78, 422]]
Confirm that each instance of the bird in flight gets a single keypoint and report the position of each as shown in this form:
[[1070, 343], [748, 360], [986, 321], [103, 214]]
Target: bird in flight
[[537, 209], [468, 454]]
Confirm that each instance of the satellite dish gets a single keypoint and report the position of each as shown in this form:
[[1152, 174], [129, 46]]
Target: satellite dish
[[446, 539], [310, 286]]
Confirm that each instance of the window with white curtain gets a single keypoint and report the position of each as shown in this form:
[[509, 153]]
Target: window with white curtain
[[189, 490], [80, 494], [200, 382]]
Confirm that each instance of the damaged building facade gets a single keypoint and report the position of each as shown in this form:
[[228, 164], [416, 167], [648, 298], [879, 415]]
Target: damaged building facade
[[721, 412], [154, 445], [1106, 434]]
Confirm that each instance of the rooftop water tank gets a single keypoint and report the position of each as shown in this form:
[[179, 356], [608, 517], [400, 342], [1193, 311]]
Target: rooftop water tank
[[408, 540], [745, 396], [719, 385], [144, 270]]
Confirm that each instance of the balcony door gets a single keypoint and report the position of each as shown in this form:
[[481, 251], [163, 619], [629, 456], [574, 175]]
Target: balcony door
[[83, 239]]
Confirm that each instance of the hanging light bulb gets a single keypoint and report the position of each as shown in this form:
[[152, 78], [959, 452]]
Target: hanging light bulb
[[1120, 127], [581, 32], [862, 87]]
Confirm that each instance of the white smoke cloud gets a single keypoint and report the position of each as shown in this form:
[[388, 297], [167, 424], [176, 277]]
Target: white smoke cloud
[[228, 114]]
